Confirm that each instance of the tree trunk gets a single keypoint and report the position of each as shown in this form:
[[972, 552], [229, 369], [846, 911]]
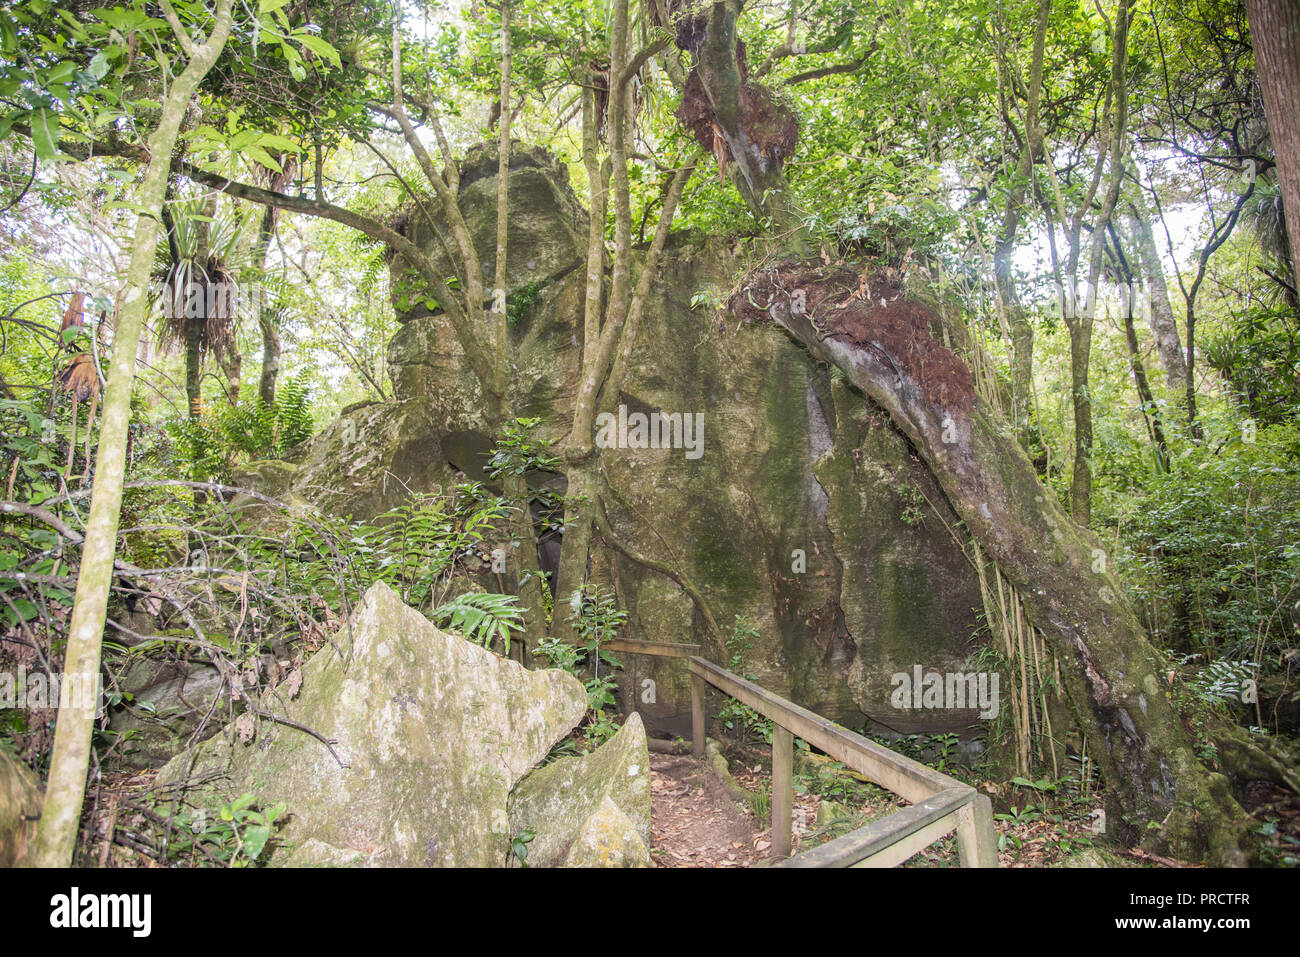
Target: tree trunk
[[606, 344], [65, 790], [1022, 332], [266, 318], [1275, 35], [1081, 474], [1164, 327], [1111, 672], [749, 130], [270, 359], [193, 371], [1150, 411]]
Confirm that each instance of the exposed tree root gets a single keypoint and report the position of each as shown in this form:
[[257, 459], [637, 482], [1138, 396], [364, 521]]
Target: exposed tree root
[[1160, 794]]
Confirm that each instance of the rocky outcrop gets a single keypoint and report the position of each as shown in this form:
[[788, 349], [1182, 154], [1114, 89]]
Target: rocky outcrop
[[432, 731], [589, 811], [808, 512]]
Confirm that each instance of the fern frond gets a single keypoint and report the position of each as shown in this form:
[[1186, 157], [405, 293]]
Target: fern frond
[[482, 617]]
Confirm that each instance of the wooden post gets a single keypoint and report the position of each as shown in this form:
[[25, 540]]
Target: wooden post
[[976, 840], [782, 789], [697, 716]]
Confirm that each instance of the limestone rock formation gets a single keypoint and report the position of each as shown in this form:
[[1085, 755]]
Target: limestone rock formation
[[808, 512], [434, 732], [589, 811]]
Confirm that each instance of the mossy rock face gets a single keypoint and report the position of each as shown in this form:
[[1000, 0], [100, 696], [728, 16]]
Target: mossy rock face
[[806, 511], [589, 811], [163, 716], [609, 838], [546, 229], [434, 732], [1095, 857], [906, 588], [20, 806]]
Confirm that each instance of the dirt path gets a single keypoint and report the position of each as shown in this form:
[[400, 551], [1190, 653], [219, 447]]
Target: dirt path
[[694, 822]]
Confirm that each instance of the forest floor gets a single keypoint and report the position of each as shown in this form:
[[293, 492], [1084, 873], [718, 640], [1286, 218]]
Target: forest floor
[[697, 821]]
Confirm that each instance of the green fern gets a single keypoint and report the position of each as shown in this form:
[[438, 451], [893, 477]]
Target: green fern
[[482, 617]]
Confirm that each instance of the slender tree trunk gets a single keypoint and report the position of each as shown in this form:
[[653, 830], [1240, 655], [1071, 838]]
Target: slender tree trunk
[[1022, 332], [266, 316], [232, 367], [1275, 35], [193, 370], [1113, 139], [65, 790], [530, 584], [607, 344], [1164, 327], [1150, 411], [1081, 475], [270, 359]]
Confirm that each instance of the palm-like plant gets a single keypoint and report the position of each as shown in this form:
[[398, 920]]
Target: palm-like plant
[[197, 262]]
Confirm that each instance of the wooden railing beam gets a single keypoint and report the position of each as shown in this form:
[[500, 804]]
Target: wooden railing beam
[[697, 715], [867, 845], [909, 779], [782, 790]]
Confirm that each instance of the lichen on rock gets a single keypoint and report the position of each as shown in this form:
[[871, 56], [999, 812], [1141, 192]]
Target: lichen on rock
[[589, 811], [433, 731]]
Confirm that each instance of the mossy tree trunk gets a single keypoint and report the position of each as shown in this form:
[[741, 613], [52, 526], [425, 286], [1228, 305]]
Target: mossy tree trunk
[[66, 787], [1159, 791], [609, 327]]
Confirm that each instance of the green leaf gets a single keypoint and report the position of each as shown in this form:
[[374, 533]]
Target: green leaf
[[98, 67], [320, 47], [273, 141], [60, 72], [45, 127], [261, 156], [255, 839]]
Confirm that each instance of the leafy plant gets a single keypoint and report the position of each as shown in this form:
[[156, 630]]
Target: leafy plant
[[740, 719], [597, 620], [482, 617], [517, 451], [227, 435], [521, 300], [944, 745], [519, 846], [237, 835]]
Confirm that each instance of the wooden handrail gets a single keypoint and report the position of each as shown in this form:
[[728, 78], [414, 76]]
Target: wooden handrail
[[940, 803], [909, 779], [660, 649], [866, 845]]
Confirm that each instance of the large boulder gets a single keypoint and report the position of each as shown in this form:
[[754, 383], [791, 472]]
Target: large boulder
[[808, 512], [433, 732], [589, 811]]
